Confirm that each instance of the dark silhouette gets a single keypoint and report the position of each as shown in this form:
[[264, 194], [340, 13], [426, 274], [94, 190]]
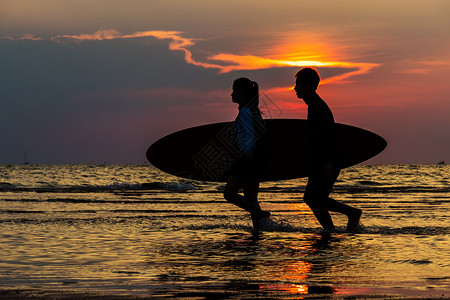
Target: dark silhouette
[[323, 155], [245, 172]]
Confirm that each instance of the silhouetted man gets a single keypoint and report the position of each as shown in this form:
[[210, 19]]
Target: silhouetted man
[[323, 155]]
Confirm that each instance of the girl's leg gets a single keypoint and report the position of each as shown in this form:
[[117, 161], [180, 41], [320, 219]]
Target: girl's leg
[[251, 189], [231, 194]]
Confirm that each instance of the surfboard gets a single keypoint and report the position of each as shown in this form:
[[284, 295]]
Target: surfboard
[[206, 152]]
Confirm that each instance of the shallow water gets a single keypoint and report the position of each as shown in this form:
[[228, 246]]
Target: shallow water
[[134, 230]]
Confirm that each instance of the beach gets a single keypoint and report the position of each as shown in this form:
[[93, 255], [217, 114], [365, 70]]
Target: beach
[[131, 231]]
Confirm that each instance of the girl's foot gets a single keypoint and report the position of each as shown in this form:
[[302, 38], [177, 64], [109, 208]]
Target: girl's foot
[[259, 218]]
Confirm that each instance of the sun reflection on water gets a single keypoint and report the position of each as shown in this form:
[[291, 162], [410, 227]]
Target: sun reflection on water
[[293, 289]]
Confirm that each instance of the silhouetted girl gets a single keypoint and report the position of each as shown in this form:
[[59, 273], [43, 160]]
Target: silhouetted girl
[[245, 172]]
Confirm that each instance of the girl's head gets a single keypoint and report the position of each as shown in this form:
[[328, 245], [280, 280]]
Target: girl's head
[[245, 93]]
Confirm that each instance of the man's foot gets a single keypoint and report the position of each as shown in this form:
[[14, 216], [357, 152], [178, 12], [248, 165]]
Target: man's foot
[[356, 228], [354, 224]]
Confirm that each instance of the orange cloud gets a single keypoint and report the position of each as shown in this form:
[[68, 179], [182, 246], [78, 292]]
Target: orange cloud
[[250, 62], [231, 62]]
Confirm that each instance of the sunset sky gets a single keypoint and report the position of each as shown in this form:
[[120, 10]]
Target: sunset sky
[[93, 81]]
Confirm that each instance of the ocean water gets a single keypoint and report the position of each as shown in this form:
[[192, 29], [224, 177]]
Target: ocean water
[[133, 230]]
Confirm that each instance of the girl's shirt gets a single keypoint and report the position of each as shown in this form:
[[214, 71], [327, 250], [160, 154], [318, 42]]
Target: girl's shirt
[[249, 129]]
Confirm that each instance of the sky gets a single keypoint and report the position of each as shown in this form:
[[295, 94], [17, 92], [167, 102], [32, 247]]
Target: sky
[[95, 81]]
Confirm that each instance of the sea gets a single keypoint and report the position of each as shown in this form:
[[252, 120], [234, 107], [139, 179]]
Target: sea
[[135, 231]]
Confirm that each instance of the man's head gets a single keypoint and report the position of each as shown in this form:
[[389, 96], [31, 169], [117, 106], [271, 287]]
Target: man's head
[[306, 83]]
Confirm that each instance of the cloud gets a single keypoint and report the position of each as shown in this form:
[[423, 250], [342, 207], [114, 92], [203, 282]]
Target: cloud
[[437, 63], [228, 62], [423, 67], [31, 37], [177, 42], [418, 71]]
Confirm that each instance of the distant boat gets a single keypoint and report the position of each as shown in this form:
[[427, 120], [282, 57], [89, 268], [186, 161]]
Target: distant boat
[[441, 163], [25, 159]]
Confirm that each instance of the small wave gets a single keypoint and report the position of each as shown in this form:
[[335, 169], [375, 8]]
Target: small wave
[[171, 186], [49, 188], [154, 200], [269, 225], [411, 261], [438, 278], [368, 182], [413, 230], [362, 187], [277, 226], [6, 185], [10, 211], [419, 262], [376, 189], [299, 189], [214, 226]]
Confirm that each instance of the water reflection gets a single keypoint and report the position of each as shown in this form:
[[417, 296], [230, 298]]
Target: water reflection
[[311, 264], [291, 276], [296, 264]]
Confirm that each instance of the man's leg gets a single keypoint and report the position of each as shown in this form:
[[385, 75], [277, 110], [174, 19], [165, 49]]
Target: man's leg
[[353, 214], [336, 206], [316, 199]]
